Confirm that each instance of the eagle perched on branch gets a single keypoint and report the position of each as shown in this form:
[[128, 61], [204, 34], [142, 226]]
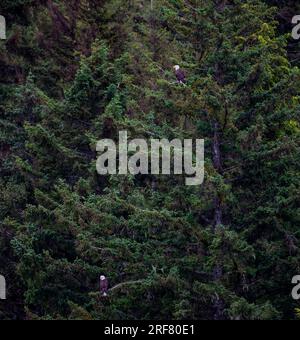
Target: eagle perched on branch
[[180, 75], [103, 286]]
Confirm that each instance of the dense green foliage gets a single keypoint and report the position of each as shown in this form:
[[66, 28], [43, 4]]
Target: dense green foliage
[[76, 71]]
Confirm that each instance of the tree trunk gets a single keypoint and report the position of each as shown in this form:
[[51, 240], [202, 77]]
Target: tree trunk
[[218, 304], [216, 148], [217, 161]]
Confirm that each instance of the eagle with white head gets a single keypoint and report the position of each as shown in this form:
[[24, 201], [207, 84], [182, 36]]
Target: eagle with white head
[[103, 286], [180, 75]]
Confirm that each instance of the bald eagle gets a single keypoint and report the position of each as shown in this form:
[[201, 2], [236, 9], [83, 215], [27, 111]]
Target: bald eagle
[[180, 75], [103, 286]]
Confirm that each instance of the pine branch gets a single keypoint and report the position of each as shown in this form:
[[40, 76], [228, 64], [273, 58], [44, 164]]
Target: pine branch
[[128, 283]]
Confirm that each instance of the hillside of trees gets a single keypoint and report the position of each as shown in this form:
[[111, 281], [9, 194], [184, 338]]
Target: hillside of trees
[[77, 71]]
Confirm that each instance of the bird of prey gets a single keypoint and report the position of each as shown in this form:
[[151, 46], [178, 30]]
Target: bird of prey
[[103, 285], [180, 75]]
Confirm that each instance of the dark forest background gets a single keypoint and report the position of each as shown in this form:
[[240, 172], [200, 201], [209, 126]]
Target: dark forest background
[[76, 71]]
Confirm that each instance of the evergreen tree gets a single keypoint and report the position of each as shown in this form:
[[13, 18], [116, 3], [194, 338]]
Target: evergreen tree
[[74, 72]]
